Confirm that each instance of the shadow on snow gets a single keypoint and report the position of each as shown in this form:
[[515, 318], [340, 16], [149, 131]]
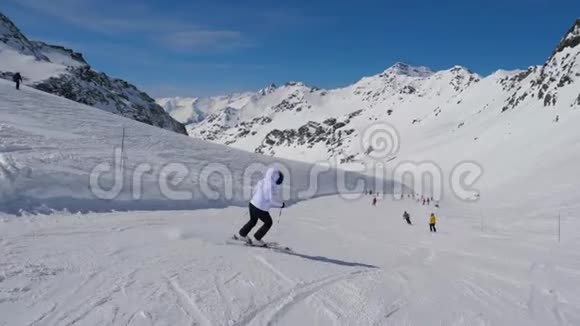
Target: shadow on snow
[[327, 260]]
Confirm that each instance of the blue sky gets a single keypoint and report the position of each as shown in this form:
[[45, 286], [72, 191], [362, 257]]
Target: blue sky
[[202, 48]]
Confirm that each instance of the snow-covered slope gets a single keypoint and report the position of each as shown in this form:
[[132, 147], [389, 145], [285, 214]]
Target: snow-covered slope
[[63, 72], [50, 148], [353, 264]]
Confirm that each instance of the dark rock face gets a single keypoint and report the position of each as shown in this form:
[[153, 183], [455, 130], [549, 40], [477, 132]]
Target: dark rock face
[[544, 83], [330, 133], [462, 78], [82, 84], [571, 39], [117, 96]]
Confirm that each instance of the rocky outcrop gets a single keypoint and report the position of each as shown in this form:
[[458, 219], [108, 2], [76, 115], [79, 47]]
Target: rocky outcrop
[[330, 133], [77, 81], [545, 83], [89, 87]]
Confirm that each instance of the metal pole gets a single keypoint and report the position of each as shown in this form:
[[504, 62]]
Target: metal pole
[[123, 148], [559, 225], [123, 141]]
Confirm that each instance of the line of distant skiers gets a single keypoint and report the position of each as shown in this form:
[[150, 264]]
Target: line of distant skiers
[[423, 199]]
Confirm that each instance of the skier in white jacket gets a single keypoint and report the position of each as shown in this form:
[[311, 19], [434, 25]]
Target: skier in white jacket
[[262, 201]]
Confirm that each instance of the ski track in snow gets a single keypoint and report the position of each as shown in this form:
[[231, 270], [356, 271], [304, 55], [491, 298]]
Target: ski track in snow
[[272, 311], [125, 269], [188, 304]]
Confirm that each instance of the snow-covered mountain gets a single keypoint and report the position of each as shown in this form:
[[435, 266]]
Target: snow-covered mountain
[[192, 110], [65, 73], [297, 118], [298, 121]]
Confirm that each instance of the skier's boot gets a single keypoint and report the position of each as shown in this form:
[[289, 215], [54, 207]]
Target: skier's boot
[[245, 239], [259, 243]]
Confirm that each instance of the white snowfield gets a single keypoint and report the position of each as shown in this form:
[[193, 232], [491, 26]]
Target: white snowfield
[[353, 264]]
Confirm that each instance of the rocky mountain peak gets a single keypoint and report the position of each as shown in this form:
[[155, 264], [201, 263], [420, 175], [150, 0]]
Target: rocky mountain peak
[[295, 83], [11, 36], [267, 90], [547, 82], [571, 39], [401, 68]]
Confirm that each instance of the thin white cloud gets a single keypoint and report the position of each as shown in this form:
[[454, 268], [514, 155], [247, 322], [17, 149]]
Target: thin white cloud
[[200, 39], [139, 21]]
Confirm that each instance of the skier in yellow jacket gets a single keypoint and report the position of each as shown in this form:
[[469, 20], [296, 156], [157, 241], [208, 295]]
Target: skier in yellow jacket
[[432, 222]]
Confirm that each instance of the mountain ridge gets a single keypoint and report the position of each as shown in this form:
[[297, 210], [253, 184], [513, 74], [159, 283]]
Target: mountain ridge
[[296, 120], [64, 72]]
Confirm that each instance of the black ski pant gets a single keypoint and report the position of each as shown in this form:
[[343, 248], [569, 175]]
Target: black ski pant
[[408, 221], [17, 85], [255, 214], [432, 228]]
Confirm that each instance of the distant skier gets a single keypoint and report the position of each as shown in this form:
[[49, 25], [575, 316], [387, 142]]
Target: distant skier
[[262, 201], [374, 201], [432, 222], [17, 78], [428, 202], [407, 217]]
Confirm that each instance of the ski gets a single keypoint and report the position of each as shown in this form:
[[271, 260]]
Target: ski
[[268, 245]]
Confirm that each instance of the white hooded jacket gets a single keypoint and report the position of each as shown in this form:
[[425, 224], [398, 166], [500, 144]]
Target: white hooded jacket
[[264, 195]]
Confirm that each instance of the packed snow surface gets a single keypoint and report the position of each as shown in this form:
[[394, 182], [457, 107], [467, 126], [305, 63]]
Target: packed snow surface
[[353, 264]]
